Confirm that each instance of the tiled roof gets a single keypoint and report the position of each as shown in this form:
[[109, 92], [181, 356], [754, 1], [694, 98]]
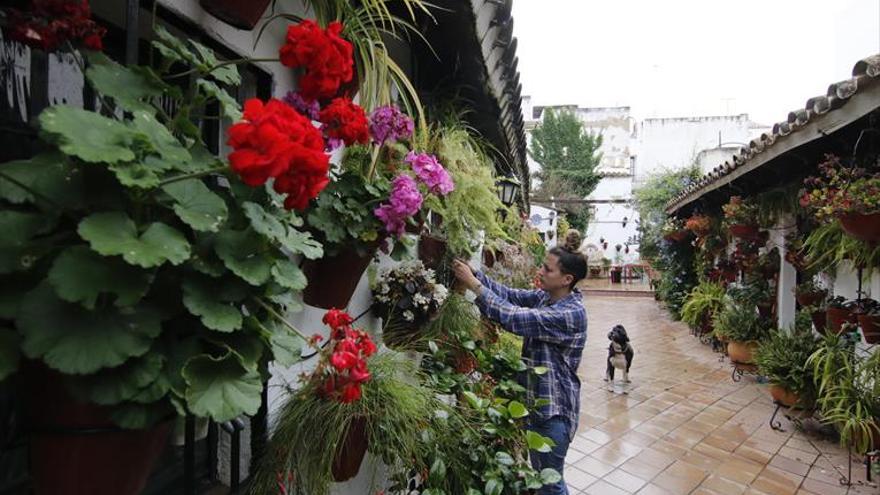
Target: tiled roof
[[780, 139]]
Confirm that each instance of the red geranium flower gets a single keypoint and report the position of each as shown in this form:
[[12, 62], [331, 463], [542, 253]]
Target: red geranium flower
[[49, 23], [359, 372], [344, 120], [325, 56], [343, 360], [350, 392], [276, 141], [335, 318]]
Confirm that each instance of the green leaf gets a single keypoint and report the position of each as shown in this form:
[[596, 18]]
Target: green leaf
[[539, 442], [135, 174], [541, 403], [221, 387], [549, 476], [116, 385], [438, 471], [128, 88], [74, 340], [113, 233], [9, 352], [272, 227], [286, 346], [517, 410], [80, 275], [228, 74], [504, 458], [18, 251], [493, 487], [159, 137], [87, 135], [245, 255], [172, 47], [247, 347], [140, 416], [197, 205], [199, 297], [432, 346], [540, 370], [48, 174], [288, 275], [231, 108]]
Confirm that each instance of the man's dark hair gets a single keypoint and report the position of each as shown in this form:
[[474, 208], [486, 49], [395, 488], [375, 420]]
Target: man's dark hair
[[571, 260]]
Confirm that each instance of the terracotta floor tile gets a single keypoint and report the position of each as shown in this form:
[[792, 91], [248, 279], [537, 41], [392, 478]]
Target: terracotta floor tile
[[753, 454], [777, 482], [701, 461], [625, 480], [798, 455], [578, 479], [611, 456], [603, 488], [652, 489], [596, 436], [739, 470], [594, 466], [790, 465], [641, 469], [723, 486], [582, 444], [655, 458], [823, 488]]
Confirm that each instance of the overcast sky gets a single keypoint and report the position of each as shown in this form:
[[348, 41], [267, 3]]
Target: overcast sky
[[672, 58]]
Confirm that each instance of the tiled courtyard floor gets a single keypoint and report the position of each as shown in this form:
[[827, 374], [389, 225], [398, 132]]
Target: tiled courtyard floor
[[685, 427]]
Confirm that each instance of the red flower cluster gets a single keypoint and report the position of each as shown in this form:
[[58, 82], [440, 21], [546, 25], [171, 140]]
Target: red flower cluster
[[348, 360], [325, 56], [49, 23], [346, 121], [274, 141]]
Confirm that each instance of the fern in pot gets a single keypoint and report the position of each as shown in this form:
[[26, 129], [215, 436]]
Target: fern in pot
[[704, 301], [782, 358], [742, 328]]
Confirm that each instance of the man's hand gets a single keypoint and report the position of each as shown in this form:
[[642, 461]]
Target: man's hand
[[465, 275]]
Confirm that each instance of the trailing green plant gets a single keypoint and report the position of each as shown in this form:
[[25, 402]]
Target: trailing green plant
[[782, 358], [702, 303], [739, 322], [677, 275], [739, 211], [828, 246], [650, 201], [848, 390], [146, 272]]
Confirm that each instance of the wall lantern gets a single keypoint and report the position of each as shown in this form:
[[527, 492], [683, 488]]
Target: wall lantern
[[507, 189]]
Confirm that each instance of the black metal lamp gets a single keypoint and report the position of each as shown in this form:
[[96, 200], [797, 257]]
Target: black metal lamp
[[507, 189]]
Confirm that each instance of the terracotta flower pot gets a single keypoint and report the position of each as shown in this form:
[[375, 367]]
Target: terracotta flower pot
[[464, 362], [432, 250], [333, 279], [743, 231], [862, 227], [837, 317], [783, 396], [75, 449], [488, 258], [242, 14], [809, 298], [350, 452], [677, 236], [820, 319], [765, 309], [870, 327], [741, 352]]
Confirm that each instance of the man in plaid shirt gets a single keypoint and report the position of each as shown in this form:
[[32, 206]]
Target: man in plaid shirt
[[553, 324]]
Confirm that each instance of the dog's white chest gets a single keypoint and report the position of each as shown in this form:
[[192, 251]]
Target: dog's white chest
[[618, 361]]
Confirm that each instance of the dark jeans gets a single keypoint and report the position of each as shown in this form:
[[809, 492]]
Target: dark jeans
[[555, 428]]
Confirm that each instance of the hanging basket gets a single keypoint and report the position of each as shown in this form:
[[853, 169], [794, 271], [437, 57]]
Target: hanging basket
[[488, 258], [765, 309], [862, 227], [333, 279], [870, 328], [75, 449], [743, 231], [432, 251], [243, 14], [810, 298], [837, 317], [350, 452], [676, 236], [820, 320]]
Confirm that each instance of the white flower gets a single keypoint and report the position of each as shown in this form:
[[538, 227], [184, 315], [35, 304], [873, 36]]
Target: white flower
[[408, 315]]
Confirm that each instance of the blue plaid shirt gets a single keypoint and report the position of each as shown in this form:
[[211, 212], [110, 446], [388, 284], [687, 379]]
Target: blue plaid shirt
[[554, 335]]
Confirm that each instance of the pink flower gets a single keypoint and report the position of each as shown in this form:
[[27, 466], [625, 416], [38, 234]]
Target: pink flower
[[430, 172], [404, 202], [388, 123]]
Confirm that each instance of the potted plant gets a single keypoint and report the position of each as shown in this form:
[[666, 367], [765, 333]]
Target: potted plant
[[808, 293], [741, 328], [848, 392], [406, 297], [848, 193], [703, 302], [150, 274], [674, 230], [242, 14], [699, 224], [740, 217], [869, 322], [840, 311], [782, 358]]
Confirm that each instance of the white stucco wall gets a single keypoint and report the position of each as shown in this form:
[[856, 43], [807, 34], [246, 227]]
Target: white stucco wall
[[545, 220]]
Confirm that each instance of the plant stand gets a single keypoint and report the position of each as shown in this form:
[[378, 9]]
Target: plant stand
[[739, 369], [797, 419]]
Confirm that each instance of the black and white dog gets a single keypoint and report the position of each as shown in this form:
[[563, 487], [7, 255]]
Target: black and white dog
[[620, 354]]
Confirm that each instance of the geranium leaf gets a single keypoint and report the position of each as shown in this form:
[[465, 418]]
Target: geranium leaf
[[139, 416], [244, 254], [287, 274], [48, 174], [271, 226], [221, 388], [17, 251], [113, 233], [87, 135], [299, 242], [74, 340], [200, 299], [286, 347], [113, 386], [172, 47], [9, 354], [80, 275], [231, 108], [228, 74], [247, 347], [197, 205], [135, 174], [128, 88], [160, 139]]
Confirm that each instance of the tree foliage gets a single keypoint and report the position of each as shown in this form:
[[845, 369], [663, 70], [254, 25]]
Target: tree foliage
[[650, 201], [569, 157]]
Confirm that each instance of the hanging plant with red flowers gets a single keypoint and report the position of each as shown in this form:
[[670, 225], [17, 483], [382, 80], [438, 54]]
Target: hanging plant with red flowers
[[343, 367], [324, 56], [48, 24], [346, 122]]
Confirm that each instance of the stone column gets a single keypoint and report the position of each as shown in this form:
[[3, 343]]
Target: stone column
[[785, 303]]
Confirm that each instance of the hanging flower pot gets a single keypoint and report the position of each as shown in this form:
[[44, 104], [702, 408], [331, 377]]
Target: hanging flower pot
[[862, 227], [242, 14], [350, 451], [676, 236], [870, 327], [741, 352], [488, 258], [810, 298], [765, 309], [75, 448], [820, 319], [743, 231], [333, 279], [432, 250], [837, 317]]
